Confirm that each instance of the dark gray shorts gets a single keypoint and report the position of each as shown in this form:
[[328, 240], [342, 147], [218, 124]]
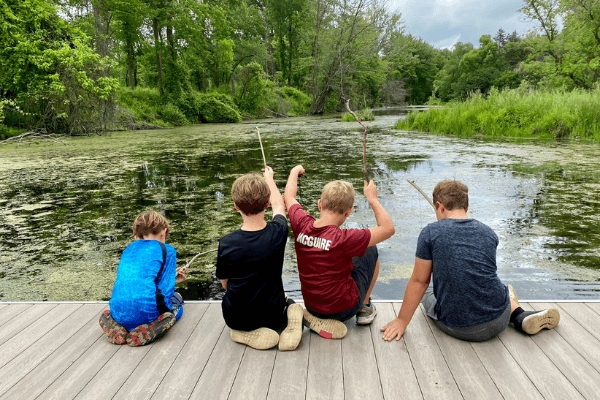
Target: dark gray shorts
[[364, 269], [477, 333]]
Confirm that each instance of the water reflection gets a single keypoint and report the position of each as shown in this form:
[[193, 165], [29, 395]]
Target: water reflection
[[66, 211]]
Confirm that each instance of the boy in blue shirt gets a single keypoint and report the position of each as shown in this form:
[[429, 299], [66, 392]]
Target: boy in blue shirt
[[144, 305]]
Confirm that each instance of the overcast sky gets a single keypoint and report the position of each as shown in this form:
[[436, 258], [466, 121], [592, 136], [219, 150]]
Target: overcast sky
[[442, 23]]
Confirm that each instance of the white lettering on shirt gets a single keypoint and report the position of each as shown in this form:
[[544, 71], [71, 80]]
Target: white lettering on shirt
[[310, 241]]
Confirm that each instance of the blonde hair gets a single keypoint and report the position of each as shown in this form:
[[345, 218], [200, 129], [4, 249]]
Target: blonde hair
[[452, 194], [251, 193], [150, 222], [337, 196]]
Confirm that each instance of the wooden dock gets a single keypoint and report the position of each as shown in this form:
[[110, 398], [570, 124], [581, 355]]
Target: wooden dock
[[57, 351]]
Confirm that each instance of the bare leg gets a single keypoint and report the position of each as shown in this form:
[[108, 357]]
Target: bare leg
[[375, 274]]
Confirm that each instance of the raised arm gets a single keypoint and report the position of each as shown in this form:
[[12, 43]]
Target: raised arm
[[415, 289], [276, 200], [385, 227], [291, 188]]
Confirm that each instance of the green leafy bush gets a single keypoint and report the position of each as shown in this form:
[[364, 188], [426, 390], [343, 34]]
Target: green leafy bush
[[171, 114], [212, 109], [299, 101]]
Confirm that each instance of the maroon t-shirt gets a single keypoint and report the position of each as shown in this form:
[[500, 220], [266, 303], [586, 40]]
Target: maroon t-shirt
[[325, 262]]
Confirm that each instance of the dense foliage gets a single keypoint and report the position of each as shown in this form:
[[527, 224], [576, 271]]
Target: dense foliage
[[81, 66]]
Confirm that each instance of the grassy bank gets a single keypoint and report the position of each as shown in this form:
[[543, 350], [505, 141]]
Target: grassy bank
[[515, 113]]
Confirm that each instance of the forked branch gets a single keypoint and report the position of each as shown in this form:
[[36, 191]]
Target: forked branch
[[365, 171]]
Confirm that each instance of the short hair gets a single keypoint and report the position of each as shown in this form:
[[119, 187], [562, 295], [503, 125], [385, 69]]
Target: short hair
[[337, 196], [150, 222], [251, 193], [452, 194]]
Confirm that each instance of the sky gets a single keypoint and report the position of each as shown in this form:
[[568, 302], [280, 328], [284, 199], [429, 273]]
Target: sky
[[442, 23]]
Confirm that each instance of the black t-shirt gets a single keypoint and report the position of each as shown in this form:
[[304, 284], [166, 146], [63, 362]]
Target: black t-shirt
[[253, 263]]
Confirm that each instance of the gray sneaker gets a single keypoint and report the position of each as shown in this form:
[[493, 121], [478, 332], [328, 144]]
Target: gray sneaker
[[366, 314]]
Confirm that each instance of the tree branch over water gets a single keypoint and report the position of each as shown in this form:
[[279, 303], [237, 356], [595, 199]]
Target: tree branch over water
[[34, 137], [365, 171]]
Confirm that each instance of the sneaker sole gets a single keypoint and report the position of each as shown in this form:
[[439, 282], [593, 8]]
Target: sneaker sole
[[326, 328], [366, 319], [292, 335], [547, 319], [148, 333], [259, 339]]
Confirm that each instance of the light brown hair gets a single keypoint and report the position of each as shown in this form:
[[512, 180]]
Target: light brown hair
[[452, 194], [337, 196], [251, 193], [150, 222]]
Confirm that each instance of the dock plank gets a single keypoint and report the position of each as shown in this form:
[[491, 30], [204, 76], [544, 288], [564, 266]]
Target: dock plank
[[182, 377], [19, 366], [325, 374], [19, 317], [26, 337], [594, 306], [80, 372], [361, 373], [581, 313], [469, 373], [396, 373], [222, 366], [254, 375], [432, 371], [546, 377], [142, 383], [575, 334], [62, 354], [290, 372], [571, 364], [109, 379], [45, 373], [505, 371]]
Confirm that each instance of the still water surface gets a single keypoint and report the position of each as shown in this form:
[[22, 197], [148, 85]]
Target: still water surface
[[66, 209]]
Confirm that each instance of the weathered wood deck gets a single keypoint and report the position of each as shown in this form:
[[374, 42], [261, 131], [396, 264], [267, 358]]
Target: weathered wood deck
[[57, 351]]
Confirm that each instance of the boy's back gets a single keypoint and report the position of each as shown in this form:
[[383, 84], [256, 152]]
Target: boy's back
[[252, 261], [133, 301]]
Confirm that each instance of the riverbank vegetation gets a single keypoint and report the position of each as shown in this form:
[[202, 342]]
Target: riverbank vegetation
[[549, 114], [87, 66]]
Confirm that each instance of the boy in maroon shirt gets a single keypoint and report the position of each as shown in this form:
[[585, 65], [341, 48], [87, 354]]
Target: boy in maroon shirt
[[338, 267]]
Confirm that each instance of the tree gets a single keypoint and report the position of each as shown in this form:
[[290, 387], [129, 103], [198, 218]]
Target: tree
[[48, 71]]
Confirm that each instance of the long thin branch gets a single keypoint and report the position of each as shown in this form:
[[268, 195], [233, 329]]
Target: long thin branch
[[186, 266], [422, 192], [365, 171]]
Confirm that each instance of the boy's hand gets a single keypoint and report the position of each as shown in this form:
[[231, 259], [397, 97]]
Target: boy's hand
[[370, 191], [268, 173], [299, 170], [394, 329], [180, 276]]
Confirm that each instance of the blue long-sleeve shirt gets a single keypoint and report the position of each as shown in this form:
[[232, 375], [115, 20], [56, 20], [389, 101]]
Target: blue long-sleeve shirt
[[133, 301]]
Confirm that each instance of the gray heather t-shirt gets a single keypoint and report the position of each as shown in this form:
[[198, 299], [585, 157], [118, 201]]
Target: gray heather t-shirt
[[465, 282]]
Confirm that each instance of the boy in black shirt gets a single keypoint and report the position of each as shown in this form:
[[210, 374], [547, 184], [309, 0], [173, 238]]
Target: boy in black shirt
[[250, 264]]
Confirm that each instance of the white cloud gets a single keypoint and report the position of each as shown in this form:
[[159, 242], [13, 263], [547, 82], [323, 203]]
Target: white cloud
[[439, 22]]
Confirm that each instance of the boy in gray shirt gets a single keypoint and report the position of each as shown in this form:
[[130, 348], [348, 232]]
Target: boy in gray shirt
[[468, 300]]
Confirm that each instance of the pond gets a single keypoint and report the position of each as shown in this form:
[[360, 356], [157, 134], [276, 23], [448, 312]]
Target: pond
[[66, 209]]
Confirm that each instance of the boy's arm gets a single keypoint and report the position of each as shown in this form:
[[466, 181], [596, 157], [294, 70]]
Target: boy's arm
[[385, 227], [224, 283], [415, 289], [292, 186], [277, 203]]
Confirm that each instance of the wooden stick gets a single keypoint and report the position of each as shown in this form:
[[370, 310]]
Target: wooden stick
[[365, 171], [261, 148], [422, 192], [186, 266]]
